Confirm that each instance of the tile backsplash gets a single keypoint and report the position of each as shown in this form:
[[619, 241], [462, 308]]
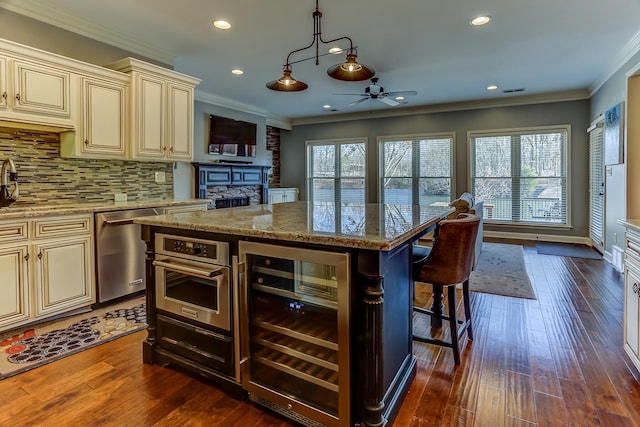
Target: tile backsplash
[[44, 178]]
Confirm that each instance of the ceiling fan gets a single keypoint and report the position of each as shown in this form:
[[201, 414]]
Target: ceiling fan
[[373, 91]]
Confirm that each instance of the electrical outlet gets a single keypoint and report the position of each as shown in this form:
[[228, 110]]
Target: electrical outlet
[[160, 177], [119, 197]]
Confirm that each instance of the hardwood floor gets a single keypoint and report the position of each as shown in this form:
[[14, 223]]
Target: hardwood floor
[[554, 361]]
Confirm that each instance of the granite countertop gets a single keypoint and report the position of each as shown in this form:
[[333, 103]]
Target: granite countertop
[[364, 226], [13, 211]]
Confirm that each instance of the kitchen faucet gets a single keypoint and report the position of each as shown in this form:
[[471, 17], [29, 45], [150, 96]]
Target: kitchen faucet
[[7, 198]]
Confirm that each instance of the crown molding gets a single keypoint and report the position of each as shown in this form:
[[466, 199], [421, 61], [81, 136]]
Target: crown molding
[[47, 13], [573, 95], [630, 49], [272, 120]]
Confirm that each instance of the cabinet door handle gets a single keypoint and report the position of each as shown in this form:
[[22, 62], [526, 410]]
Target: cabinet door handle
[[635, 289], [26, 257]]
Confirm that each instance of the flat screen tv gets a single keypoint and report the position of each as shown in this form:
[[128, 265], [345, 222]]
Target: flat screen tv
[[231, 137]]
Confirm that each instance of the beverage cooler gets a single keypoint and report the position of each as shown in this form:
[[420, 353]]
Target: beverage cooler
[[295, 336]]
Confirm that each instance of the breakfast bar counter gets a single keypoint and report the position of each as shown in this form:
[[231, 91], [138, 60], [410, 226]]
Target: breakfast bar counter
[[364, 252]]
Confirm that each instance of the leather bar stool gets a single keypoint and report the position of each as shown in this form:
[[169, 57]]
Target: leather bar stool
[[447, 264]]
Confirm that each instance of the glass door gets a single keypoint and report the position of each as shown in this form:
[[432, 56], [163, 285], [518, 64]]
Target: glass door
[[296, 334]]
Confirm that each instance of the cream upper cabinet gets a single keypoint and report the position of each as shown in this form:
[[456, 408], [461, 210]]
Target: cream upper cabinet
[[103, 123], [162, 111], [35, 90], [40, 88], [3, 83]]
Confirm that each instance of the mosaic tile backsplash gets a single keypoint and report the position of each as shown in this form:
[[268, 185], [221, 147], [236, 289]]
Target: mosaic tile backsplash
[[44, 178]]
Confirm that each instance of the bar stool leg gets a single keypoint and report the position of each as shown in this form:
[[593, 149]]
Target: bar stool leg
[[437, 308], [467, 308], [453, 323]]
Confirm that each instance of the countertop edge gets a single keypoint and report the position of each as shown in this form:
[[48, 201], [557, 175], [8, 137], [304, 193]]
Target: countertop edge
[[80, 208]]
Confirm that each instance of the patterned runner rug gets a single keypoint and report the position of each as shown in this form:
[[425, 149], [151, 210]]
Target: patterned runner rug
[[34, 346]]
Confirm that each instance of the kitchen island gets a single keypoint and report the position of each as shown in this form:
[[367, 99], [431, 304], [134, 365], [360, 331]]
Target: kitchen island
[[365, 250]]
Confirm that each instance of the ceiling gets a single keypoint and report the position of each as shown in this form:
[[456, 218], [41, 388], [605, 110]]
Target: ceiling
[[546, 47]]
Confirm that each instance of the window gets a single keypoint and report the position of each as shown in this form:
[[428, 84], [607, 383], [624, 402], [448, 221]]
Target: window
[[522, 175], [336, 170], [416, 170]]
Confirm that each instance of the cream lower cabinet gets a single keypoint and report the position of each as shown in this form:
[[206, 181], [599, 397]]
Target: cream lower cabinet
[[51, 270], [283, 195], [63, 275], [632, 297], [14, 293]]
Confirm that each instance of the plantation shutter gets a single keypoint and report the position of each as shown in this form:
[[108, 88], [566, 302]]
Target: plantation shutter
[[596, 184]]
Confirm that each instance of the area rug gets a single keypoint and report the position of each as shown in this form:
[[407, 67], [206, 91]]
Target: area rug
[[28, 348], [567, 249], [501, 270]]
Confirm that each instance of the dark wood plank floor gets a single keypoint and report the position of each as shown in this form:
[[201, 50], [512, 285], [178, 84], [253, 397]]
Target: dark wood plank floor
[[554, 361]]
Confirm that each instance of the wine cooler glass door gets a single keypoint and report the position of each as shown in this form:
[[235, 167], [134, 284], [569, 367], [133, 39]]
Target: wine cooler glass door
[[296, 336]]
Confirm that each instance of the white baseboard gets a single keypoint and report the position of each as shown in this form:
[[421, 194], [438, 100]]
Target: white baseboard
[[538, 237]]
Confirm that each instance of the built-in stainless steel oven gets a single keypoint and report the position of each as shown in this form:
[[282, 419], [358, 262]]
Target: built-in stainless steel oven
[[193, 279]]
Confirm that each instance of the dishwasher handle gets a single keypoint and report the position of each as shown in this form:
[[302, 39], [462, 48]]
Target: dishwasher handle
[[193, 271], [125, 221]]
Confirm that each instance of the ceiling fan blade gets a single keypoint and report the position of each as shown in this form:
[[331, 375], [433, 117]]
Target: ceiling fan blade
[[388, 101], [403, 93], [359, 101], [351, 94]]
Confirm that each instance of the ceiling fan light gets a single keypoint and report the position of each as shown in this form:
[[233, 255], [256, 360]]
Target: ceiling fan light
[[287, 83], [351, 70]]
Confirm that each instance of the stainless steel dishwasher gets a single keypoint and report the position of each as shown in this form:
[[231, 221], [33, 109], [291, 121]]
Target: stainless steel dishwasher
[[120, 253]]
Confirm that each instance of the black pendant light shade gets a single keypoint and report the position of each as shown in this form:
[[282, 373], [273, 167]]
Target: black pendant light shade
[[350, 70], [287, 83]]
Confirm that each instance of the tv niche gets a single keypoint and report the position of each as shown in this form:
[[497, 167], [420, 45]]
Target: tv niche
[[231, 137]]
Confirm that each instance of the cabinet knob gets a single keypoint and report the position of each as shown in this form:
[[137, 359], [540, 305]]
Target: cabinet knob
[[164, 148], [86, 142], [171, 149], [635, 288], [40, 255], [18, 96], [4, 95], [26, 257]]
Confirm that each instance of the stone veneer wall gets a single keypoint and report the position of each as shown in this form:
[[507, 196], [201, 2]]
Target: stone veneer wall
[[253, 192], [273, 144], [44, 178]]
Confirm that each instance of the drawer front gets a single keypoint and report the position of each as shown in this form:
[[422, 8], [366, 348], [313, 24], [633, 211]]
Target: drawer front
[[62, 226], [197, 344], [11, 232]]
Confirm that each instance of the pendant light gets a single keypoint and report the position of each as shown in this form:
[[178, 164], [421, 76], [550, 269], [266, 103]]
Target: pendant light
[[349, 71]]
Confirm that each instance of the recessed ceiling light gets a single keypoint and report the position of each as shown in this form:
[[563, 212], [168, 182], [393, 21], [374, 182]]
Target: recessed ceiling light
[[326, 106], [480, 20], [399, 98], [492, 87], [237, 72], [221, 24], [335, 50]]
